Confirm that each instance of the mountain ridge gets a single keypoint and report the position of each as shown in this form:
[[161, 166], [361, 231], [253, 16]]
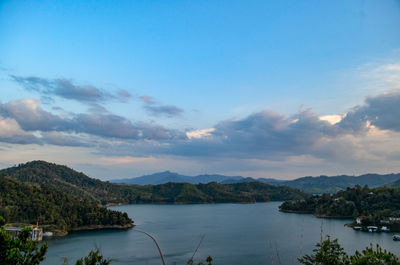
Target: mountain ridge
[[168, 176], [99, 192], [310, 184]]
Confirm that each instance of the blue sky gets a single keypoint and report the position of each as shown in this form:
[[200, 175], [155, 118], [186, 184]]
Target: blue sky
[[120, 89]]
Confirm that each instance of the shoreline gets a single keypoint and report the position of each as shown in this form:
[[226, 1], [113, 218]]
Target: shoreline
[[62, 233], [316, 215], [188, 203]]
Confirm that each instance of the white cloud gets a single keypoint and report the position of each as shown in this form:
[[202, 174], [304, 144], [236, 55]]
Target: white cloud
[[197, 134], [9, 127], [332, 119], [380, 77]]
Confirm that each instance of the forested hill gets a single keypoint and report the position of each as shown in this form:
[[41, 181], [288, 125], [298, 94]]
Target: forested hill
[[377, 204], [80, 185], [54, 209], [62, 178], [215, 193], [325, 184]]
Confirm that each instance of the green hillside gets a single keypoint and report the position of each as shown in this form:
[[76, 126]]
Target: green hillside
[[66, 179], [97, 191], [376, 204], [54, 209], [60, 198]]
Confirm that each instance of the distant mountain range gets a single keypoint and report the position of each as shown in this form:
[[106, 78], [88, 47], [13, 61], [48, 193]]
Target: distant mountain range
[[321, 184], [168, 176], [325, 184]]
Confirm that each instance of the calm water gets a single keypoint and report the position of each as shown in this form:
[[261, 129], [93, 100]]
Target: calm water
[[242, 234]]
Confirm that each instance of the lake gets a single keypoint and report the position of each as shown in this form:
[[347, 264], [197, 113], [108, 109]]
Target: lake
[[241, 234]]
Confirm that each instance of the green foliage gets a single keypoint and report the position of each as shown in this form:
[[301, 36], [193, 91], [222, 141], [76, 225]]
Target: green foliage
[[63, 199], [24, 203], [94, 258], [92, 190], [217, 193], [21, 250], [375, 256], [376, 204], [329, 252], [2, 221]]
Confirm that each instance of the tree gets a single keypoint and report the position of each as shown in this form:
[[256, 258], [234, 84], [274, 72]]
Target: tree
[[375, 256], [21, 250], [94, 258], [329, 252]]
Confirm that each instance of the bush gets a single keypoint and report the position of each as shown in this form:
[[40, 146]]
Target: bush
[[329, 252]]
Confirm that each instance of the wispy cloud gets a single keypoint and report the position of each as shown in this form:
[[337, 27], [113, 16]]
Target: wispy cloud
[[67, 89], [31, 117], [155, 109]]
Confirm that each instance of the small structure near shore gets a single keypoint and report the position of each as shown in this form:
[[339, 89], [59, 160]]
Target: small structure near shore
[[36, 233], [360, 219], [385, 229]]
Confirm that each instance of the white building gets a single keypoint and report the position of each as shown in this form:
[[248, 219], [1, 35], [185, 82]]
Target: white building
[[36, 233]]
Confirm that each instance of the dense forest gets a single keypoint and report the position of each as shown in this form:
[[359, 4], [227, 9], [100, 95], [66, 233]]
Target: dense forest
[[215, 193], [54, 209], [63, 199], [376, 204], [97, 191]]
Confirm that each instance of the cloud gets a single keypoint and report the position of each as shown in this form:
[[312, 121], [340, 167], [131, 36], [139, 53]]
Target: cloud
[[147, 100], [389, 74], [31, 117], [377, 77], [11, 132], [199, 133], [65, 88], [155, 109], [382, 111], [164, 110], [63, 139], [264, 135], [272, 136], [88, 94], [332, 119]]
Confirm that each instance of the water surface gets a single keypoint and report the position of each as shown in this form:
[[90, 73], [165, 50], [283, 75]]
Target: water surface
[[241, 234]]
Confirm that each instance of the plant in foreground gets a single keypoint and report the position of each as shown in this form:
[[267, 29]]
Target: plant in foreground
[[329, 252]]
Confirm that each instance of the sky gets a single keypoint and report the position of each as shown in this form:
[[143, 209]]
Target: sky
[[276, 89]]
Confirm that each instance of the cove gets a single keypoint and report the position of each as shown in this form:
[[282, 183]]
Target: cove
[[239, 234]]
